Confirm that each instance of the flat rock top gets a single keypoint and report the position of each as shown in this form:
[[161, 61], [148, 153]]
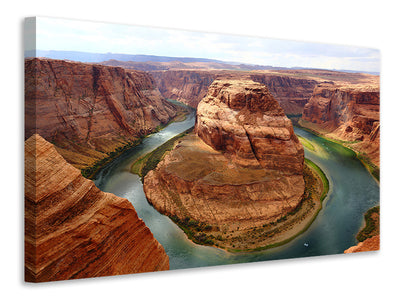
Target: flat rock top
[[193, 160], [243, 94]]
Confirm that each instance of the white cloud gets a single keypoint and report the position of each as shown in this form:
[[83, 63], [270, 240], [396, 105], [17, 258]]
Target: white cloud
[[62, 34]]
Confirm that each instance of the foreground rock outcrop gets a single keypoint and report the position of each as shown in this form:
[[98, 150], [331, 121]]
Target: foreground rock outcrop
[[90, 110], [243, 169], [349, 113], [370, 244], [74, 230]]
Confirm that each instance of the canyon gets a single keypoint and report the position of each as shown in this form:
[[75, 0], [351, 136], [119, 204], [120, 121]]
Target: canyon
[[237, 182], [291, 88], [241, 169], [90, 110], [347, 112], [189, 86], [74, 230], [340, 105]]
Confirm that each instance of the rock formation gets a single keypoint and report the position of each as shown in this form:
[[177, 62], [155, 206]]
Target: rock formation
[[190, 86], [242, 169], [186, 86], [242, 119], [370, 244], [292, 93], [74, 230], [347, 112], [89, 110]]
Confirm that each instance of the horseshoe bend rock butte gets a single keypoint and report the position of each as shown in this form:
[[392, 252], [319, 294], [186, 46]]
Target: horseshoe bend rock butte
[[74, 230], [242, 119], [242, 168]]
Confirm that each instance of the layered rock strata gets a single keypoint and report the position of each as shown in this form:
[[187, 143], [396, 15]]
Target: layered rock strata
[[74, 230], [190, 86], [242, 169], [243, 120], [186, 86], [292, 93], [347, 112], [89, 110]]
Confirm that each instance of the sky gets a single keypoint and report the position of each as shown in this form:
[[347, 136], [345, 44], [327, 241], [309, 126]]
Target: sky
[[73, 35]]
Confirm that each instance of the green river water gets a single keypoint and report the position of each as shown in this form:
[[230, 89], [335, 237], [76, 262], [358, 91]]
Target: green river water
[[352, 192]]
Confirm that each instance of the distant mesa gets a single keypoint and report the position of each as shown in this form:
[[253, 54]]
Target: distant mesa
[[74, 230]]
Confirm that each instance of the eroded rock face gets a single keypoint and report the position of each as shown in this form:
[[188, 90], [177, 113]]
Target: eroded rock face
[[90, 109], [370, 244], [190, 86], [292, 93], [74, 230], [242, 169], [243, 119], [347, 112]]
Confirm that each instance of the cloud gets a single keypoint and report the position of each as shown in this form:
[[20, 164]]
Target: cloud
[[62, 34]]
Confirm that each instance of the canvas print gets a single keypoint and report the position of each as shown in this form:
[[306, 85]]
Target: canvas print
[[149, 149]]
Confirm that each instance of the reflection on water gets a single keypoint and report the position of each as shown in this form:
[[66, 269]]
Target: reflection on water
[[352, 192]]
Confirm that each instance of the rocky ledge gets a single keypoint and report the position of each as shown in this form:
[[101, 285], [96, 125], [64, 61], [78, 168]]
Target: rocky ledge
[[347, 112], [74, 230], [241, 170]]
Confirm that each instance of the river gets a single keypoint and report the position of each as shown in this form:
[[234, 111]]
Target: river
[[352, 192]]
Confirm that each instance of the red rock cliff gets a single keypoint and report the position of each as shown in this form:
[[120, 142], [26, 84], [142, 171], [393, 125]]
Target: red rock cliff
[[74, 230], [190, 86], [347, 112], [292, 93], [90, 109]]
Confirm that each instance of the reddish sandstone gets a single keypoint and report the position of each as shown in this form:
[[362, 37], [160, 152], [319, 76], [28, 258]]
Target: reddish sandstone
[[89, 110], [242, 169], [74, 230]]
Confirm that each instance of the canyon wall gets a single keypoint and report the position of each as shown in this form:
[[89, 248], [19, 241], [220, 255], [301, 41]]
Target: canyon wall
[[347, 112], [74, 230], [242, 169], [89, 110], [190, 86], [291, 93]]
